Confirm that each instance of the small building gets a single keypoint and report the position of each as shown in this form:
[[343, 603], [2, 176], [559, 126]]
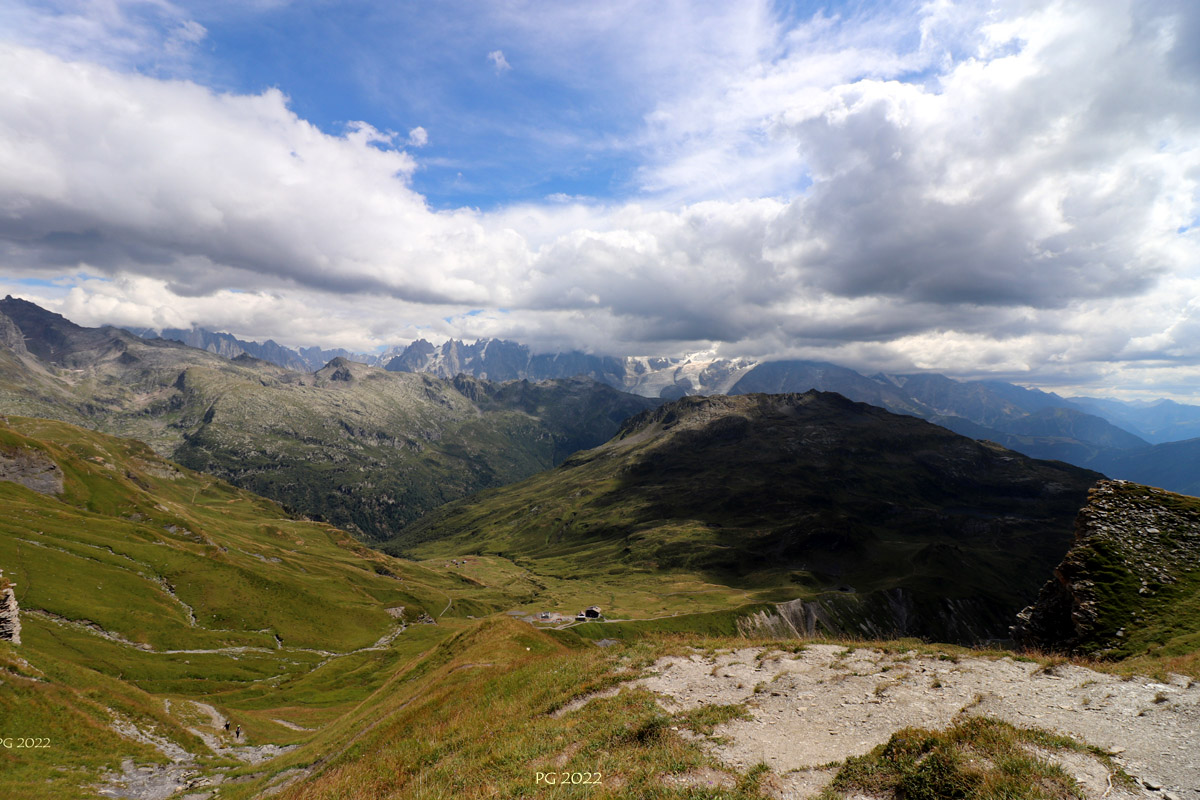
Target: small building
[[592, 612]]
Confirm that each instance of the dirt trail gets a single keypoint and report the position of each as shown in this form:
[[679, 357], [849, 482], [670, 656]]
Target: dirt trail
[[160, 781], [92, 628], [828, 703]]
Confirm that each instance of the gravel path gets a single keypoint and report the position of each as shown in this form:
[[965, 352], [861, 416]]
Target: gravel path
[[161, 781], [828, 703]]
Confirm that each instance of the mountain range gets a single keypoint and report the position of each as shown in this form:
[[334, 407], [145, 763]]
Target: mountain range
[[324, 442], [304, 359], [1149, 442], [360, 447], [924, 394]]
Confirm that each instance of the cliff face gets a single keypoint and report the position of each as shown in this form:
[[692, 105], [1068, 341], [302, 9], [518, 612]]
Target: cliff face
[[10, 620], [31, 469], [890, 614], [11, 336], [1131, 580]]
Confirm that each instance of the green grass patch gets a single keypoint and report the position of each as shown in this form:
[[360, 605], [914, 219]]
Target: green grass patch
[[975, 759]]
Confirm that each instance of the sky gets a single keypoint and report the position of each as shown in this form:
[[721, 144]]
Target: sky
[[985, 189]]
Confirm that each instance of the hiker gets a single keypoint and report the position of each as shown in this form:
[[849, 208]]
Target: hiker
[[227, 726], [238, 733]]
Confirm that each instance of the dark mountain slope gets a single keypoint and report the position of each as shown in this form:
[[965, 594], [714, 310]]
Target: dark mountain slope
[[1061, 434], [1077, 425], [985, 402], [914, 528], [1033, 422]]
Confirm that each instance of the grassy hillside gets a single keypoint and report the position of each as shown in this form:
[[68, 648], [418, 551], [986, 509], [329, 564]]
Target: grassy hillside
[[140, 582], [788, 496], [147, 590], [370, 450]]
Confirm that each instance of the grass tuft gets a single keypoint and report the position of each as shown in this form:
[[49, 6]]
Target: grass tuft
[[977, 758]]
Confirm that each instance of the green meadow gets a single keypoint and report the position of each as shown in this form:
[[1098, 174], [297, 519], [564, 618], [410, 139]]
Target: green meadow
[[144, 586]]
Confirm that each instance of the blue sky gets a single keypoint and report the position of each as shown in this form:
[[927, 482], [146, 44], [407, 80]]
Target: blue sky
[[560, 115], [1001, 188], [496, 135]]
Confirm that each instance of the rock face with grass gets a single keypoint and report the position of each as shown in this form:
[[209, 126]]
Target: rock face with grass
[[10, 613], [1130, 582], [879, 523], [31, 469]]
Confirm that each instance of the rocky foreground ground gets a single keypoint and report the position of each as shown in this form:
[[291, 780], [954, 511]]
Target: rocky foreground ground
[[828, 703]]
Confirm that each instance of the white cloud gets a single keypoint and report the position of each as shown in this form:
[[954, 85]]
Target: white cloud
[[418, 137], [499, 62], [209, 191], [154, 35], [1004, 195]]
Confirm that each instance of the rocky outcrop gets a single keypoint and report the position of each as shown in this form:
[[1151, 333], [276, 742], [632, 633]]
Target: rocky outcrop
[[32, 469], [11, 336], [1133, 547], [339, 370], [889, 614], [10, 618]]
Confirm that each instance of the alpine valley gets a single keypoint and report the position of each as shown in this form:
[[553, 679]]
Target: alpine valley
[[1115, 437], [233, 570]]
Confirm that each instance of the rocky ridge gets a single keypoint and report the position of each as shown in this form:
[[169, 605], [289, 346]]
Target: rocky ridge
[[10, 616], [1136, 552]]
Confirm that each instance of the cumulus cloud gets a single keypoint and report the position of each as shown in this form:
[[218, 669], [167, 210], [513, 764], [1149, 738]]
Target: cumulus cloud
[[1006, 183], [1013, 192], [499, 62], [211, 190], [418, 137]]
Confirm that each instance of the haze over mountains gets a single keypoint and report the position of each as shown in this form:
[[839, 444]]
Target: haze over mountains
[[1115, 437]]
